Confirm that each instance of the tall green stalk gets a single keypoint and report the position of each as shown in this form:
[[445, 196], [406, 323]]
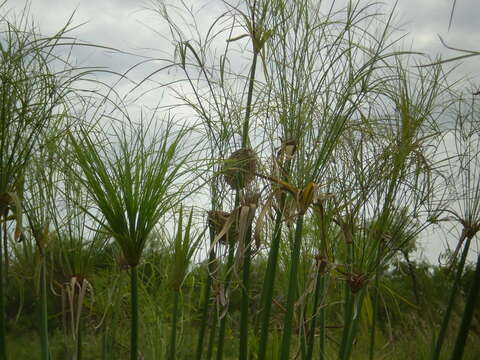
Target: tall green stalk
[[211, 340], [223, 321], [104, 349], [3, 344], [248, 109], [373, 328], [206, 300], [357, 302], [320, 286], [244, 306], [323, 322], [269, 281], [243, 353], [467, 314], [319, 292], [347, 321], [349, 296], [256, 37], [292, 285], [79, 348], [172, 349], [451, 301], [353, 295], [44, 310], [134, 313], [375, 304]]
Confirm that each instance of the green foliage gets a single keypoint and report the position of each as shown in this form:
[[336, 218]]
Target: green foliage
[[131, 179], [313, 256]]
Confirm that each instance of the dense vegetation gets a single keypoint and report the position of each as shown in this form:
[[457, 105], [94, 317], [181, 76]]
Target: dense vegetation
[[272, 210]]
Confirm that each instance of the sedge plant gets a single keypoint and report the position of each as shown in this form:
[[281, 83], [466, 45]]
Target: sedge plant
[[33, 92], [132, 182], [321, 81], [185, 245]]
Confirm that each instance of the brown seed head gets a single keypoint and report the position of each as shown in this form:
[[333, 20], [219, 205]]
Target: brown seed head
[[240, 168]]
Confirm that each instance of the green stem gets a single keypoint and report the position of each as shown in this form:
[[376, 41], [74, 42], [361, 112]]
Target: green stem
[[451, 301], [374, 319], [311, 335], [134, 323], [79, 342], [352, 331], [243, 353], [268, 283], [245, 143], [347, 322], [323, 321], [223, 321], [211, 341], [349, 306], [43, 310], [3, 347], [5, 253], [323, 281], [104, 343], [375, 305], [206, 302], [302, 334], [173, 334], [287, 327], [467, 315], [246, 124]]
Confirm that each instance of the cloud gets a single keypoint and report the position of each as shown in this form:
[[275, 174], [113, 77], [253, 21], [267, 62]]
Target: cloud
[[426, 20], [134, 26]]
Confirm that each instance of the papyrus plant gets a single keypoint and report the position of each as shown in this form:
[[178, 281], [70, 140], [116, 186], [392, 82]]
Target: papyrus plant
[[34, 85], [227, 117], [39, 199], [320, 79], [325, 86], [132, 180]]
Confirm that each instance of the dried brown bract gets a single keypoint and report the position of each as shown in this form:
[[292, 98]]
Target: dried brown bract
[[217, 220]]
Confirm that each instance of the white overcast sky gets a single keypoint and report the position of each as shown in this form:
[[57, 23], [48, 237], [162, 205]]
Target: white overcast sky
[[131, 25]]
